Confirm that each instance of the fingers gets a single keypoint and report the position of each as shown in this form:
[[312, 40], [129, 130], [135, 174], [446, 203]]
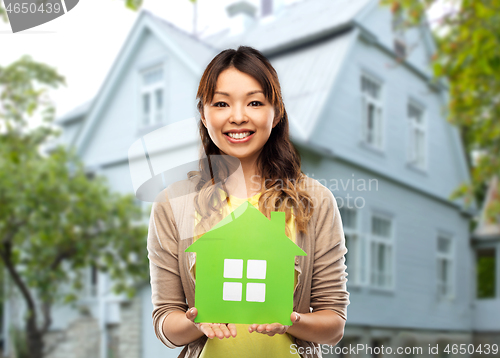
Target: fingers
[[232, 329], [297, 317], [212, 330], [191, 314], [219, 330], [225, 330], [272, 329], [294, 317], [207, 330], [269, 329]]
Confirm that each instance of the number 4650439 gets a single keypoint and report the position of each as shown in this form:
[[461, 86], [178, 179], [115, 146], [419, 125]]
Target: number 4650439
[[471, 348], [23, 8]]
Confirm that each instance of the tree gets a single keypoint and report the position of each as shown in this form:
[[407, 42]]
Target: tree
[[54, 220], [467, 56]]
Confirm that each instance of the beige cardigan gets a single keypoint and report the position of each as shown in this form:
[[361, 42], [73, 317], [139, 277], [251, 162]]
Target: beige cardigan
[[322, 276]]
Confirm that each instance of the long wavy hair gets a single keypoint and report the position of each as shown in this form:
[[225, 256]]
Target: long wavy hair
[[279, 165]]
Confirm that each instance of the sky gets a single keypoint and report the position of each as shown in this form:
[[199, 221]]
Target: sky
[[83, 44]]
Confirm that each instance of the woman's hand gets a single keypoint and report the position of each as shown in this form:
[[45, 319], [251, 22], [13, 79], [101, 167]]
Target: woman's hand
[[274, 328], [211, 330]]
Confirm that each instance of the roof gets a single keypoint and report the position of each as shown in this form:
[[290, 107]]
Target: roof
[[246, 220], [297, 22], [76, 113], [199, 50], [192, 52]]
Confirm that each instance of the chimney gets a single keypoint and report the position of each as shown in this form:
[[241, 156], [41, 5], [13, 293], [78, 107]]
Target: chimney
[[241, 16], [271, 7]]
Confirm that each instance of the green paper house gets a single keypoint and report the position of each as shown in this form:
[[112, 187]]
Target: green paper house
[[245, 267]]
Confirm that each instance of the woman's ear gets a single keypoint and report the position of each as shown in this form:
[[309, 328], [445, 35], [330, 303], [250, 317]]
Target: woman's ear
[[202, 115], [276, 121]]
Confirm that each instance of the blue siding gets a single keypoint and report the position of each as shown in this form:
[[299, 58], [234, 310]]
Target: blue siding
[[417, 220]]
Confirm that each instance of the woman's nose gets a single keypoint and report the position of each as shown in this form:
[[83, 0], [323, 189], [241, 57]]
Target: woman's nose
[[238, 115]]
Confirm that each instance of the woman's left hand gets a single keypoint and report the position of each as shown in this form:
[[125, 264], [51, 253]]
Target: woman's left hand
[[274, 328]]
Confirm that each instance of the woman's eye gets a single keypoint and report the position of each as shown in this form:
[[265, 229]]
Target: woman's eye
[[220, 104], [259, 103]]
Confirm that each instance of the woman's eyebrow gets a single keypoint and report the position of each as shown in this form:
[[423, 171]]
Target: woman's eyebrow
[[248, 94]]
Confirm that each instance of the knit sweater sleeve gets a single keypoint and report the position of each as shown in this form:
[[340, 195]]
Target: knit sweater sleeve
[[166, 286], [329, 278]]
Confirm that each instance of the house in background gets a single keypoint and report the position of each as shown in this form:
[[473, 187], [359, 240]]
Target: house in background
[[369, 125]]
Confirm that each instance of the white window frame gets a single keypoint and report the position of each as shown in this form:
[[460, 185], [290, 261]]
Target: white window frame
[[253, 290], [449, 256], [417, 159], [388, 242], [356, 249], [155, 117], [377, 134]]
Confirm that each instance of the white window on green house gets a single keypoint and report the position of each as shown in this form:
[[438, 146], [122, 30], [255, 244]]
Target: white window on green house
[[255, 291], [152, 92], [444, 266], [381, 253], [417, 134], [355, 247], [371, 91]]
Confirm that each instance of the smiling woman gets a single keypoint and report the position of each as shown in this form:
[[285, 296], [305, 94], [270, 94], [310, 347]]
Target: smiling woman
[[239, 122], [242, 116]]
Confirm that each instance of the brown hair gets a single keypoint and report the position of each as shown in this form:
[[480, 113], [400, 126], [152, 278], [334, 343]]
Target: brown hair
[[278, 162]]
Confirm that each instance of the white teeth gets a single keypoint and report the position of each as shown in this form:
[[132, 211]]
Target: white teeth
[[238, 135]]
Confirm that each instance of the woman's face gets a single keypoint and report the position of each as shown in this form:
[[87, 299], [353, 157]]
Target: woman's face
[[240, 118]]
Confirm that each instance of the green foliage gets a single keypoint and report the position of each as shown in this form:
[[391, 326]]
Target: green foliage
[[59, 215], [54, 220], [133, 4], [3, 13], [467, 57], [485, 268]]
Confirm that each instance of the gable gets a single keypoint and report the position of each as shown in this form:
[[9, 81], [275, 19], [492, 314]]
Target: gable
[[377, 19], [340, 129], [109, 131], [306, 76], [148, 44]]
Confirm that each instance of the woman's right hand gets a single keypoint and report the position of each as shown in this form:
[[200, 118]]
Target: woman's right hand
[[211, 330]]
